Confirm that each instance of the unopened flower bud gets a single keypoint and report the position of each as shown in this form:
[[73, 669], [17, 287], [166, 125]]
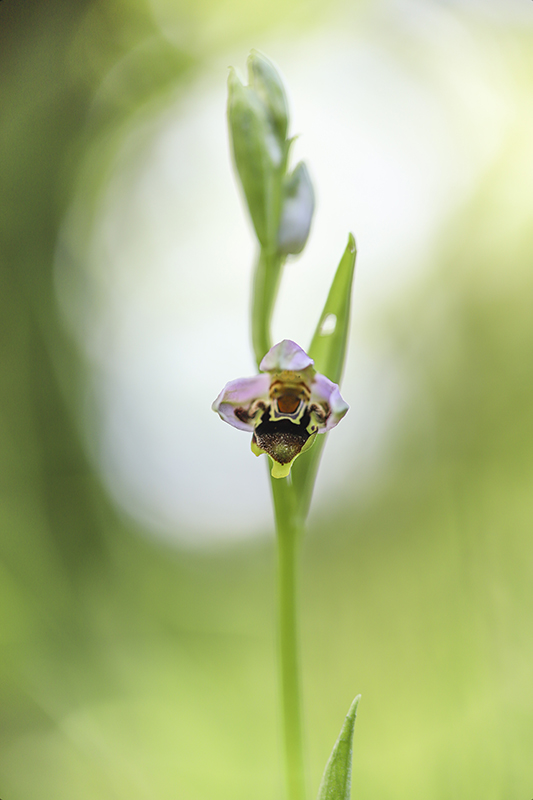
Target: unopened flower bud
[[297, 209], [264, 78], [256, 150]]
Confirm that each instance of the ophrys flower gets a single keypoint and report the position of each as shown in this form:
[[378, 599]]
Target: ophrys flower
[[285, 407]]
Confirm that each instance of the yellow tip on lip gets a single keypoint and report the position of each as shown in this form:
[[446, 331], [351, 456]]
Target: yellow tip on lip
[[256, 450], [280, 470]]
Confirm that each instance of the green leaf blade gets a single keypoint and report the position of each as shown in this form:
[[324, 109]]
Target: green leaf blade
[[328, 346], [337, 779], [328, 350]]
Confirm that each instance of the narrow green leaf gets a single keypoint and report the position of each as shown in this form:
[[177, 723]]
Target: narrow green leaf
[[337, 779], [328, 347]]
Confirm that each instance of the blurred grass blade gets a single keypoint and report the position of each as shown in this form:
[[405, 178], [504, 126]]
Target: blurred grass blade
[[328, 347], [337, 779]]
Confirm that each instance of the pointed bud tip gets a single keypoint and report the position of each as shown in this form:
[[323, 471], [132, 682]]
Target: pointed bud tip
[[258, 58], [351, 243], [266, 81], [354, 706], [233, 79]]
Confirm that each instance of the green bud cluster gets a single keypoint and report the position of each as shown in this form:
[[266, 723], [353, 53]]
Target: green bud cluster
[[281, 205]]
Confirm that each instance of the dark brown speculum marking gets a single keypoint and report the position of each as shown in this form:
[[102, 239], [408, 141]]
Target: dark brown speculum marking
[[282, 439]]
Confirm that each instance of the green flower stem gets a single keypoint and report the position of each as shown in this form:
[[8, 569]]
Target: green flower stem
[[304, 474], [289, 526], [264, 292]]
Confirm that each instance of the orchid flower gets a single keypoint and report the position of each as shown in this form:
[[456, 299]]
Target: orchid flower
[[285, 407]]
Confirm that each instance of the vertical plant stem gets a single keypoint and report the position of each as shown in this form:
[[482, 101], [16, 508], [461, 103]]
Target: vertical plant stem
[[264, 291], [289, 529]]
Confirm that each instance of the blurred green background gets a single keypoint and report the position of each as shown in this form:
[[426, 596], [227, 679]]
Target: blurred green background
[[136, 665]]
